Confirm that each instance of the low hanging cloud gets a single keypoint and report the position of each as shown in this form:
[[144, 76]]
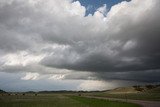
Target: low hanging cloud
[[55, 37]]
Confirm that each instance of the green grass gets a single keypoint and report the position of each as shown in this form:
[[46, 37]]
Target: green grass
[[57, 100], [135, 96], [92, 102]]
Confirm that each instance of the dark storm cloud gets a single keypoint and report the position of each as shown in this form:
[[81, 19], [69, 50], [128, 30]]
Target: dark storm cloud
[[41, 37], [139, 76], [137, 49]]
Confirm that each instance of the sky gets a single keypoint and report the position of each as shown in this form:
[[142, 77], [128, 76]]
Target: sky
[[78, 45], [92, 5]]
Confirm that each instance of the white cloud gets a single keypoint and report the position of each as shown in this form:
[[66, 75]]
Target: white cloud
[[55, 37], [30, 76], [103, 9], [57, 77], [129, 45], [21, 58]]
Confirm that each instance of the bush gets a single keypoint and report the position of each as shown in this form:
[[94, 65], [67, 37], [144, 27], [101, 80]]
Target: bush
[[150, 86], [138, 88]]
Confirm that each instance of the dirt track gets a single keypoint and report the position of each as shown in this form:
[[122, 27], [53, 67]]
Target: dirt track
[[146, 103], [140, 102]]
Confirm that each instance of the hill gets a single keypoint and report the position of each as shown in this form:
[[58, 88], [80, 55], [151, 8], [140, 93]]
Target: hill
[[147, 92], [122, 90], [135, 89], [1, 91]]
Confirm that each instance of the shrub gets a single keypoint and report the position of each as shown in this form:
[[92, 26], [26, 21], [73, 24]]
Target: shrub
[[138, 88]]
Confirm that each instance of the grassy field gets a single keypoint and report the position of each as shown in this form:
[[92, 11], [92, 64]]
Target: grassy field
[[135, 96], [57, 100], [129, 93]]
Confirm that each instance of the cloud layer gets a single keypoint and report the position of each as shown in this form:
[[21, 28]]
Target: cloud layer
[[56, 38]]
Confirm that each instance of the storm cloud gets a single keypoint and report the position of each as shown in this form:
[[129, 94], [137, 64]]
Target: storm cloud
[[57, 38]]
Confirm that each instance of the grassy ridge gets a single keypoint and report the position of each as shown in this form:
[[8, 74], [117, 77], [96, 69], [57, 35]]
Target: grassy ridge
[[57, 100], [135, 96], [146, 93]]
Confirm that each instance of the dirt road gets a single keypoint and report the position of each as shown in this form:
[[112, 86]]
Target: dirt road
[[140, 102]]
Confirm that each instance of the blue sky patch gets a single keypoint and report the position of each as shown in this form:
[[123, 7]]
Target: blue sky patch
[[92, 5]]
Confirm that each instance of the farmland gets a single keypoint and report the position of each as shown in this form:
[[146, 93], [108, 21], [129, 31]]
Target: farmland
[[57, 100], [119, 97]]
